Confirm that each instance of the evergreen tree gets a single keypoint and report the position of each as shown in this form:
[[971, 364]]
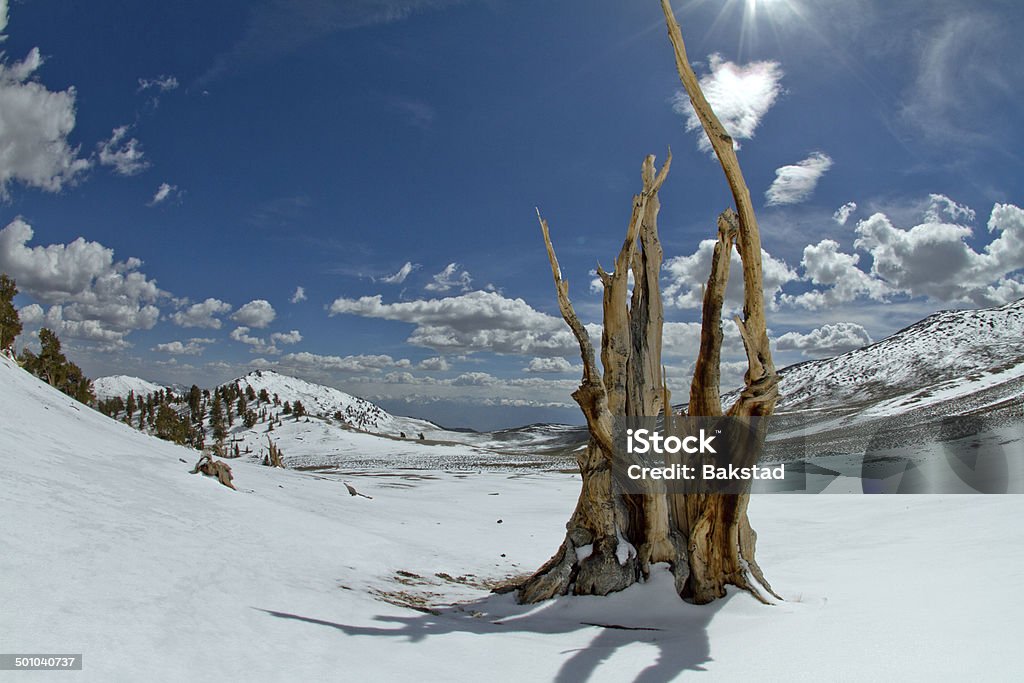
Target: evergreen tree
[[130, 406], [264, 397], [195, 404], [298, 409], [170, 426], [56, 370], [220, 432], [10, 323], [250, 393], [287, 409]]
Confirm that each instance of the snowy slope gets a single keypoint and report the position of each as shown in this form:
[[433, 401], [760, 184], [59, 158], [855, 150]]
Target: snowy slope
[[121, 385], [944, 350], [111, 549], [320, 400]]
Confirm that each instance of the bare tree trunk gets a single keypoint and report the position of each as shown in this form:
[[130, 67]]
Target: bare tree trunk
[[614, 536], [722, 542]]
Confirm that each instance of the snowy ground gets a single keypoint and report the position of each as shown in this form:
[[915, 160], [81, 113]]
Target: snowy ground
[[111, 549]]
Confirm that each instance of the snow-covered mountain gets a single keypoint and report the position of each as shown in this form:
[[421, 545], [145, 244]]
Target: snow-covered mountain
[[948, 355], [121, 385]]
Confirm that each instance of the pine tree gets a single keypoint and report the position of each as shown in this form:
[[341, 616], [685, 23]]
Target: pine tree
[[195, 404], [217, 421], [56, 370], [298, 409], [264, 397], [130, 406], [10, 323], [287, 408]]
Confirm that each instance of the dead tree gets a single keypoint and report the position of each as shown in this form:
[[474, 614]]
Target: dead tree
[[614, 536], [214, 468]]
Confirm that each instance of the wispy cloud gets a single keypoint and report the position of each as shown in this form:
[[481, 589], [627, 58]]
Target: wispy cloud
[[279, 27], [399, 277], [796, 182], [162, 193], [124, 155]]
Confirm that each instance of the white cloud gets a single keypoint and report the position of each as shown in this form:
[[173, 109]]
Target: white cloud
[[932, 259], [193, 347], [241, 334], [126, 157], [554, 364], [435, 364], [450, 278], [293, 337], [836, 277], [795, 183], [203, 314], [161, 83], [688, 275], [476, 321], [843, 213], [299, 295], [353, 364], [3, 19], [162, 193], [31, 315], [827, 340], [92, 296], [403, 272], [34, 127], [740, 95], [257, 313], [939, 206]]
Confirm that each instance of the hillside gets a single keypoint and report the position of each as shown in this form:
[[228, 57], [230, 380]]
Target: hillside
[[114, 551], [948, 355]]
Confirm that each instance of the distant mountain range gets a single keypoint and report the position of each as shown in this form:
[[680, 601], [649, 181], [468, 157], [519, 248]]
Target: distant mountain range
[[953, 364]]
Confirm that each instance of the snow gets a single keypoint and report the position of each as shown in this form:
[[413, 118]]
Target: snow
[[111, 549], [121, 385]]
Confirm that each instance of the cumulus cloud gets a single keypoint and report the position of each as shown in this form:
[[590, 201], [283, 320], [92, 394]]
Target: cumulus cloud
[[687, 276], [740, 94], [476, 321], [192, 347], [259, 345], [203, 314], [450, 278], [795, 183], [554, 365], [293, 337], [932, 259], [34, 127], [435, 364], [91, 296], [257, 313], [125, 156], [350, 364], [162, 193], [843, 213], [836, 278], [403, 272], [299, 295], [827, 340]]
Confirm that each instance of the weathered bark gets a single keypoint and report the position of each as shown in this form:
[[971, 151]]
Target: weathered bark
[[214, 468], [721, 540], [614, 536]]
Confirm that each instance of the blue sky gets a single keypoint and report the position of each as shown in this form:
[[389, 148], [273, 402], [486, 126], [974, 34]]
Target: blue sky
[[173, 173]]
